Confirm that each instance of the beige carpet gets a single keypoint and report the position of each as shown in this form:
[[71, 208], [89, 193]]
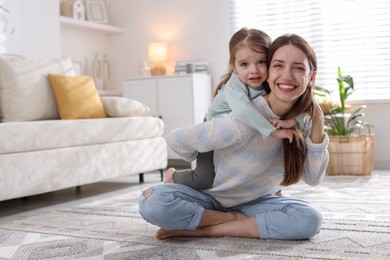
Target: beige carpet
[[356, 226]]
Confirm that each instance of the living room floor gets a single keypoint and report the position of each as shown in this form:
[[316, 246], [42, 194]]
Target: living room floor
[[43, 203]]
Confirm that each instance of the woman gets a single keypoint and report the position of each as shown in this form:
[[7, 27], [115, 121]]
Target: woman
[[250, 169], [245, 80]]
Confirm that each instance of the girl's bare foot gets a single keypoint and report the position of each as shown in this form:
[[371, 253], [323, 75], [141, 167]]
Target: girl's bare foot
[[169, 175], [279, 193]]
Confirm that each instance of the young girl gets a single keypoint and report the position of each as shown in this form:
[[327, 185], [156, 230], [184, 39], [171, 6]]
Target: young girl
[[245, 81]]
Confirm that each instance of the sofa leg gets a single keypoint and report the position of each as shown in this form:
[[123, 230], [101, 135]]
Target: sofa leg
[[24, 200], [141, 177], [78, 189], [162, 174]]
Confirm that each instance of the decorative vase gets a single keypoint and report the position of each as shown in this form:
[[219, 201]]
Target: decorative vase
[[66, 8], [144, 69], [78, 10], [73, 8], [97, 71], [106, 72]]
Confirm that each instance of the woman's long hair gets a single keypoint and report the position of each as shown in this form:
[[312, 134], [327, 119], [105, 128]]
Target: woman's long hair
[[295, 153], [255, 39]]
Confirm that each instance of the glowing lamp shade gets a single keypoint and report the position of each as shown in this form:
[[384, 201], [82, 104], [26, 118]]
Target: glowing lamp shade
[[158, 52]]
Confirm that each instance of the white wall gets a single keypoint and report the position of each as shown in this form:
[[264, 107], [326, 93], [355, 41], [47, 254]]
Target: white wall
[[193, 29], [32, 28], [82, 46], [376, 114]]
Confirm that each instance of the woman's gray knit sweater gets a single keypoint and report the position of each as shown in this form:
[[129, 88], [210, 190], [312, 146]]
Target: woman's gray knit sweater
[[246, 165]]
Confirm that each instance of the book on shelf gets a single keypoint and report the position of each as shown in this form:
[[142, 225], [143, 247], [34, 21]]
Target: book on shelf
[[196, 67], [191, 66], [185, 73], [193, 62]]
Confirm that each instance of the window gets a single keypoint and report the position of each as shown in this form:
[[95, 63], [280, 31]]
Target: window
[[352, 34]]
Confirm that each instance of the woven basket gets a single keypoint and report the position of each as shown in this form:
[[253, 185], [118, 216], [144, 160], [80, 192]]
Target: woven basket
[[351, 155]]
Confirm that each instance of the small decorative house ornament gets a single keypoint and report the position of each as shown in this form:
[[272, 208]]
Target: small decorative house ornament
[[78, 10]]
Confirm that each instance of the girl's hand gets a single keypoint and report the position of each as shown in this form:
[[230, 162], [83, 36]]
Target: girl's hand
[[279, 123], [283, 133]]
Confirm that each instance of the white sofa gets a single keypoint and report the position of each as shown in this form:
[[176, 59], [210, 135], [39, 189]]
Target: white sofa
[[40, 153]]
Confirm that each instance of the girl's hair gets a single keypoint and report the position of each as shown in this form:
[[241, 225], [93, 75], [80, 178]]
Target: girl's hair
[[255, 39], [295, 153]]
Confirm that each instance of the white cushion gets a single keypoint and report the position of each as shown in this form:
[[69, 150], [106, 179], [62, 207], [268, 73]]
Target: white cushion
[[17, 137], [120, 107], [25, 92]]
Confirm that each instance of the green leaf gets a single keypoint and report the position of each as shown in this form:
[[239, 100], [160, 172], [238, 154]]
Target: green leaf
[[341, 90], [320, 91], [337, 122]]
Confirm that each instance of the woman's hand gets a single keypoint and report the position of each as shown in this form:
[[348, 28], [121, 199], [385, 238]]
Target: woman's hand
[[317, 131]]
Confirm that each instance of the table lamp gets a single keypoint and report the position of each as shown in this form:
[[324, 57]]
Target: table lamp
[[158, 52]]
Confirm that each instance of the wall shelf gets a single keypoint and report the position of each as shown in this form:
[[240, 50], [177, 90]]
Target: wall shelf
[[68, 22]]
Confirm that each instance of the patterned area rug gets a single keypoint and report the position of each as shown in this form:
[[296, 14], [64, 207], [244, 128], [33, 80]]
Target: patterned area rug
[[356, 226]]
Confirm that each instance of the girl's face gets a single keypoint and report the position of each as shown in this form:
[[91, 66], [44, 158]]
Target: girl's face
[[289, 74], [251, 66]]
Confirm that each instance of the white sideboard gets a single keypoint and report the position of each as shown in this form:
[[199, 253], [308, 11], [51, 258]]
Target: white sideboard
[[179, 100]]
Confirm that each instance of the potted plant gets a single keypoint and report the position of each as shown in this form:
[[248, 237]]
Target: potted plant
[[351, 146]]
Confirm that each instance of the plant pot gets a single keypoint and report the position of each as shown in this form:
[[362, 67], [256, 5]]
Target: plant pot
[[351, 155]]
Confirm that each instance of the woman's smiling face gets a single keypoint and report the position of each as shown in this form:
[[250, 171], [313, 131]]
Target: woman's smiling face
[[289, 73]]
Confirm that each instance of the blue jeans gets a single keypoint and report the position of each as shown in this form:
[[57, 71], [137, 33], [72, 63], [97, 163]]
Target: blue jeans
[[175, 206]]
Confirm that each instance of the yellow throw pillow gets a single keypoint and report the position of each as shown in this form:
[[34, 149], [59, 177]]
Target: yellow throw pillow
[[77, 97]]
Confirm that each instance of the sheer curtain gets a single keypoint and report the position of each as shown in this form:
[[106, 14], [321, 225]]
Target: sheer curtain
[[352, 34]]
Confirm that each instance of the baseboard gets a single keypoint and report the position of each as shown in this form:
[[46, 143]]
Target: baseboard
[[382, 164]]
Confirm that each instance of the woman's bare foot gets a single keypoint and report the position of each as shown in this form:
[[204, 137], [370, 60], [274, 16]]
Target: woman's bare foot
[[237, 215], [169, 175], [163, 233], [209, 231]]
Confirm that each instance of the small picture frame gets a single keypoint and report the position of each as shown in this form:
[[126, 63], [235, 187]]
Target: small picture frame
[[96, 11]]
